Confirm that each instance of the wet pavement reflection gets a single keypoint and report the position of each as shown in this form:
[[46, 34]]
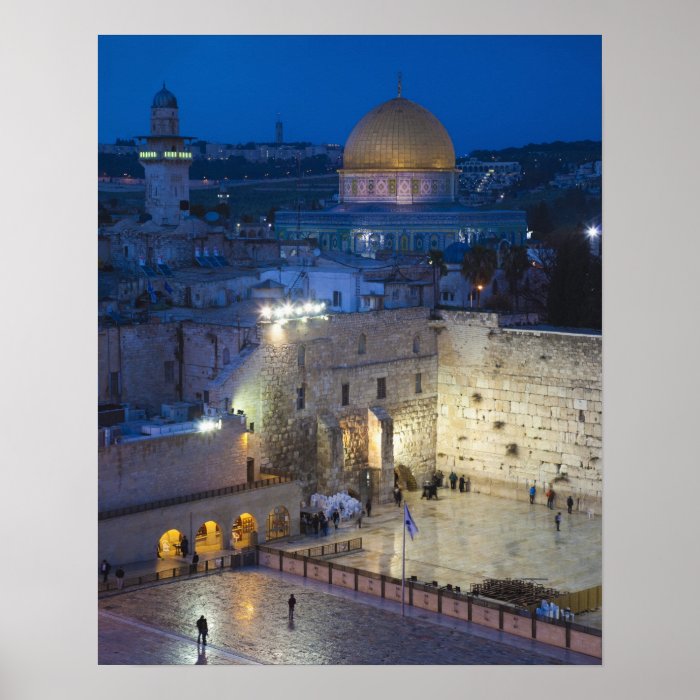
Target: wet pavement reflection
[[248, 623]]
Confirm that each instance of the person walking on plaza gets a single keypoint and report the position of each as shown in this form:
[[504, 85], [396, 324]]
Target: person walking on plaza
[[369, 507], [557, 520], [532, 493], [202, 630], [195, 561], [119, 573], [453, 480], [291, 603], [105, 568], [461, 484], [336, 518], [569, 503]]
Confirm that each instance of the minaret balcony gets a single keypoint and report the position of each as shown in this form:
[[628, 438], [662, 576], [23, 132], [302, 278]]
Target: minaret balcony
[[165, 155]]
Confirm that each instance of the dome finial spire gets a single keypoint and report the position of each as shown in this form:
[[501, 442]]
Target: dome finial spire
[[400, 77]]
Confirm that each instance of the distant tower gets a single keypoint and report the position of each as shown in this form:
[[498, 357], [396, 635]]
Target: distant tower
[[166, 162], [279, 135]]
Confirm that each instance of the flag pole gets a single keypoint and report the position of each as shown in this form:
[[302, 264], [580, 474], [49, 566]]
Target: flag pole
[[403, 563]]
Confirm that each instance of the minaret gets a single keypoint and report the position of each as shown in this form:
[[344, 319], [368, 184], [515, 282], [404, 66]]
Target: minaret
[[279, 136], [166, 162]]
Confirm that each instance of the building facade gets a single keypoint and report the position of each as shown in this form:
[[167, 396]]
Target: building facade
[[398, 192]]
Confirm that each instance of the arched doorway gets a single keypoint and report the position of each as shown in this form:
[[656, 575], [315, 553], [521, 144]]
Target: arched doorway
[[168, 544], [244, 532], [278, 523], [208, 537]]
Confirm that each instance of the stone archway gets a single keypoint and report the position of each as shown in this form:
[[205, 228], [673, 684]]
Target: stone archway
[[169, 544], [208, 537], [244, 532]]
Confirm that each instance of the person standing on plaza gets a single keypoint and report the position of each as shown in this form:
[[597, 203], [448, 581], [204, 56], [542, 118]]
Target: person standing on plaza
[[202, 630], [468, 485], [336, 518], [119, 573], [550, 498], [185, 545], [359, 518], [315, 522], [397, 490], [369, 507], [569, 503], [105, 568], [461, 484], [291, 603], [557, 520], [532, 493], [195, 561], [453, 480]]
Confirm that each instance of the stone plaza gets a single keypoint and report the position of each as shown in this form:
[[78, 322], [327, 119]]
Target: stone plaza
[[462, 539]]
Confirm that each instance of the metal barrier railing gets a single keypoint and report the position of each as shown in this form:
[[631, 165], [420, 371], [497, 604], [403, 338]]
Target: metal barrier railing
[[325, 550], [237, 560]]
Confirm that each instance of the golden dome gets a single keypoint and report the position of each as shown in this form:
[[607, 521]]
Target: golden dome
[[399, 135]]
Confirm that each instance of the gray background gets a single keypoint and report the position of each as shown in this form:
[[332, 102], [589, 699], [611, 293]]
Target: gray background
[[48, 62]]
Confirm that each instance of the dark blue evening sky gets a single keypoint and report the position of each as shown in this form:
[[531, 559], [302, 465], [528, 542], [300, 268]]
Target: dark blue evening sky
[[488, 91]]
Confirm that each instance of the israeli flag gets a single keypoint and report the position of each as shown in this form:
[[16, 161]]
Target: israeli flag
[[168, 288], [408, 520]]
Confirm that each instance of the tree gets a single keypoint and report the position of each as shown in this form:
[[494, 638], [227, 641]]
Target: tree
[[436, 259], [515, 265], [540, 220], [575, 294], [478, 266]]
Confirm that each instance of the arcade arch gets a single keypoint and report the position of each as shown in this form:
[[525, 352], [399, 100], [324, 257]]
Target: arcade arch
[[244, 532], [208, 537], [169, 544]]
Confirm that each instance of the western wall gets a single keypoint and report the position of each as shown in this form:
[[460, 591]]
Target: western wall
[[518, 407], [506, 406]]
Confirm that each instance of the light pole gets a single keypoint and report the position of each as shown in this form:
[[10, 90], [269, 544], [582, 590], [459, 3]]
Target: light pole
[[594, 240]]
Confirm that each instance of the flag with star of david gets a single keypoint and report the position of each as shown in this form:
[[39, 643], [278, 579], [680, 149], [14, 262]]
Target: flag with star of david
[[408, 520]]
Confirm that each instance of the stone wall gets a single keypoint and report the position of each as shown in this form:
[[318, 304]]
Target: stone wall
[[397, 345], [517, 407], [139, 355], [155, 468]]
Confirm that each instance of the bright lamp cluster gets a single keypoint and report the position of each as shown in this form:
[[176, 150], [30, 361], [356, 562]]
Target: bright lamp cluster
[[290, 312]]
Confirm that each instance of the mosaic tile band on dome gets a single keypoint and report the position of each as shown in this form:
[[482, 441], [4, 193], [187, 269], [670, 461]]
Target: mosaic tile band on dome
[[399, 135]]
